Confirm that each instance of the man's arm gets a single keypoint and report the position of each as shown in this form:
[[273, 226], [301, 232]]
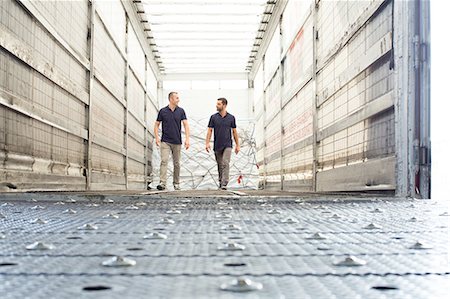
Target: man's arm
[[187, 132], [236, 139], [208, 139], [155, 131]]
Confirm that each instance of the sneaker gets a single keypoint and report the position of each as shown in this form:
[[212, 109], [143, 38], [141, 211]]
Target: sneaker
[[176, 187], [161, 187], [149, 187]]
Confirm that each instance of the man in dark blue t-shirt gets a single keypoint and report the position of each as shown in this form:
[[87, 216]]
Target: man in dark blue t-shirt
[[171, 118], [223, 124]]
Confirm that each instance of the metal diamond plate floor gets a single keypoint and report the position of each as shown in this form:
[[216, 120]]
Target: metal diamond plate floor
[[222, 245]]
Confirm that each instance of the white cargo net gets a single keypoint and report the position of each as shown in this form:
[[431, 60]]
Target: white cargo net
[[199, 168]]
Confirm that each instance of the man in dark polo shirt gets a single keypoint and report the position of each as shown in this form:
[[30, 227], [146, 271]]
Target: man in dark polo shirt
[[171, 118], [223, 124]]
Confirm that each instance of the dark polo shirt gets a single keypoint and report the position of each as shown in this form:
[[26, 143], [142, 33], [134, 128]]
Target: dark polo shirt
[[171, 124], [222, 130]]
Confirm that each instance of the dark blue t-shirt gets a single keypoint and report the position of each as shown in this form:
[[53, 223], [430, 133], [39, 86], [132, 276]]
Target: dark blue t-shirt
[[171, 124], [222, 130]]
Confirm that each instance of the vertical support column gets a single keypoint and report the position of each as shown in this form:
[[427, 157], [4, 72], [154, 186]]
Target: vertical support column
[[315, 34], [90, 41], [281, 70], [424, 72], [404, 96], [125, 132], [265, 127], [145, 127]]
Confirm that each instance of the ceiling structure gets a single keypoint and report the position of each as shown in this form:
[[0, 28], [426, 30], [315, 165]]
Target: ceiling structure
[[204, 36]]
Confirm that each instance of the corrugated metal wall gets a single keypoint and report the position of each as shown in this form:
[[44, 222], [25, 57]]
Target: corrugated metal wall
[[65, 124], [324, 100]]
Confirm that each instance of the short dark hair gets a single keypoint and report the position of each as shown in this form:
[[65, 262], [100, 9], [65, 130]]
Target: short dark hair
[[171, 94], [223, 100]]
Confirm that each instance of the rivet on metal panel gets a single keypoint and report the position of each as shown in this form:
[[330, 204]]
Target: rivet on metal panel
[[232, 246], [155, 236], [289, 220], [71, 200], [241, 285], [419, 245], [37, 208], [39, 221], [111, 216], [226, 208], [372, 226], [351, 261], [88, 226], [231, 227], [39, 246], [223, 215], [321, 207], [167, 221], [119, 261], [132, 207], [316, 236]]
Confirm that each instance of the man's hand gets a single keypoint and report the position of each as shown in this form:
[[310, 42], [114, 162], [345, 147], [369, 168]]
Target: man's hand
[[237, 149], [158, 141], [187, 144], [208, 147]]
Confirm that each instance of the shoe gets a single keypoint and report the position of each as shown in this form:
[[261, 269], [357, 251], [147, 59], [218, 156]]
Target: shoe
[[149, 187], [161, 187], [223, 188], [176, 187]]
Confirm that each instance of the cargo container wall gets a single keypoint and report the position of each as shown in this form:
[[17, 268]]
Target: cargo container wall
[[340, 101], [78, 84]]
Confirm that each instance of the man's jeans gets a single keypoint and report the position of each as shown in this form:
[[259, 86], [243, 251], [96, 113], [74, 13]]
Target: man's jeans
[[175, 149], [223, 165]]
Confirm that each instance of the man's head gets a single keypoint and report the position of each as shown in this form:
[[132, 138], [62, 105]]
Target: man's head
[[173, 98], [221, 104]]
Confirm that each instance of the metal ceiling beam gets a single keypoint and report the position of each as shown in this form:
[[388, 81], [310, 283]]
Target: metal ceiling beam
[[206, 76]]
